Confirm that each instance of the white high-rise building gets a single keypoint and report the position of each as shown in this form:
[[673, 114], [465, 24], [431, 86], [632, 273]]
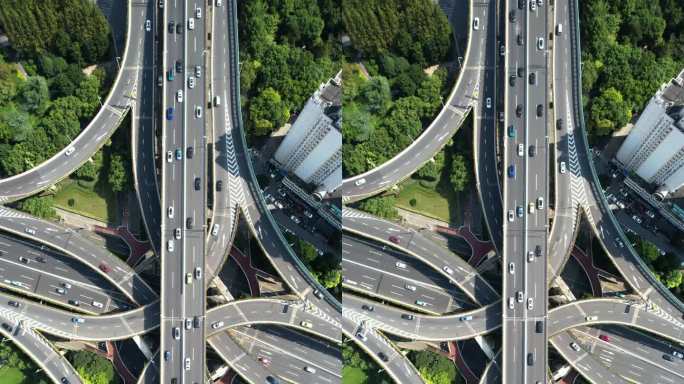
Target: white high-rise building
[[654, 149], [312, 148]]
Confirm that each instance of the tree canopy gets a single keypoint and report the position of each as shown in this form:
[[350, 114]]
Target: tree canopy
[[92, 368]]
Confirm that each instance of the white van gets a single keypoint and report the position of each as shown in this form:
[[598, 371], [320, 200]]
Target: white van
[[169, 245], [217, 101], [559, 29]]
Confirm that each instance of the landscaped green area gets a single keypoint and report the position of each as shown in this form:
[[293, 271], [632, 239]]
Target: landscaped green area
[[665, 267], [87, 199], [423, 198], [17, 368], [353, 375], [93, 368], [391, 92], [325, 268], [359, 368], [629, 48], [435, 368]]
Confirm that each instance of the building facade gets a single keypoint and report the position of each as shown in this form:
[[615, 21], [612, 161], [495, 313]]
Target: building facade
[[654, 149], [312, 148]]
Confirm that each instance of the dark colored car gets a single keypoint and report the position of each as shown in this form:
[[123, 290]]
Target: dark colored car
[[519, 39], [171, 24], [668, 357], [539, 326], [604, 338], [188, 223], [406, 316], [179, 28], [196, 322], [219, 185], [75, 303], [511, 171], [189, 152], [540, 110], [179, 66], [272, 380], [511, 80], [519, 110], [521, 4], [169, 114], [559, 124], [521, 72], [105, 268], [7, 327], [64, 380], [14, 304], [513, 16], [530, 359], [533, 150], [533, 78], [394, 239], [537, 250], [383, 357], [197, 183], [368, 308]]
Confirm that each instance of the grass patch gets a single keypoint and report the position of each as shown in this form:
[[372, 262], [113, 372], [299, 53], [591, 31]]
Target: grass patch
[[92, 200], [353, 375], [11, 375], [430, 200]]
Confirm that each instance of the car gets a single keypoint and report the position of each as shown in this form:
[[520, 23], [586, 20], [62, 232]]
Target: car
[[502, 50], [14, 304], [191, 23], [7, 327], [188, 223], [187, 363], [66, 285], [160, 80], [559, 124], [306, 324], [540, 43], [511, 302], [217, 101], [540, 110], [488, 102], [604, 338], [521, 4], [537, 251], [64, 380], [77, 320], [400, 265], [530, 256], [448, 270], [97, 304], [310, 369], [264, 360], [407, 316], [465, 318], [511, 171], [678, 355], [169, 75], [272, 380], [476, 23], [214, 230], [177, 233], [574, 346], [512, 16], [24, 260], [591, 318], [563, 169], [368, 308], [188, 278], [167, 355], [540, 202], [179, 96], [171, 26], [219, 185], [169, 212], [318, 294], [170, 245], [511, 268], [361, 336], [69, 151], [188, 323], [511, 216], [559, 29], [532, 151], [501, 116], [383, 357], [512, 132], [179, 66], [619, 243], [308, 214], [519, 211], [410, 287], [360, 182], [533, 6], [198, 71], [105, 268], [179, 28], [519, 40], [198, 112], [530, 304], [169, 113], [520, 296], [532, 78], [198, 13], [521, 72], [519, 110], [179, 154], [219, 2], [530, 207], [148, 25], [521, 149], [539, 326], [393, 239], [198, 273], [421, 303], [191, 82], [540, 3], [197, 184], [217, 324], [511, 80]]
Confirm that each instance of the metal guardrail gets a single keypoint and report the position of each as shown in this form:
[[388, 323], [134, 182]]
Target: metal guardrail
[[253, 185], [595, 183]]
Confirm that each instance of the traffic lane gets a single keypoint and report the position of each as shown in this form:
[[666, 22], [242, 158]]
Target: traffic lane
[[284, 362], [424, 327], [397, 366], [238, 359], [76, 245], [584, 362], [396, 289], [423, 249], [317, 352], [639, 355], [492, 374]]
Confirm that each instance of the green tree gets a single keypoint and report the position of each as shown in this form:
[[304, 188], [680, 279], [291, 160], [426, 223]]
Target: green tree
[[14, 124], [434, 368], [356, 123], [302, 23], [34, 94], [92, 368], [118, 175], [380, 206], [673, 278], [459, 176], [609, 112], [267, 112], [375, 94], [40, 206], [8, 82], [91, 169], [259, 27], [649, 251], [433, 168]]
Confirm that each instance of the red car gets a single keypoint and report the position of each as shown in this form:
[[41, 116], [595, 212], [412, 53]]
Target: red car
[[105, 268], [394, 239], [604, 338]]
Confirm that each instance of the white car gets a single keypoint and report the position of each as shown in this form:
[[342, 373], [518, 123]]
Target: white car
[[400, 265], [530, 256], [198, 273], [530, 304], [170, 245], [191, 82], [69, 151], [306, 324], [97, 304], [591, 318], [77, 320], [360, 182], [520, 296], [511, 216], [148, 25], [169, 212], [187, 359], [488, 102], [217, 325], [198, 13], [30, 231], [169, 156], [214, 230], [177, 233], [448, 270], [179, 96], [540, 43], [562, 167], [574, 346], [198, 112], [521, 150], [511, 302], [176, 333], [219, 3], [476, 23], [198, 71], [410, 287], [191, 23], [511, 268], [533, 5], [188, 323]]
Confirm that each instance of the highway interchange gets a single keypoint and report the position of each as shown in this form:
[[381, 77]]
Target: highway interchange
[[417, 289]]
